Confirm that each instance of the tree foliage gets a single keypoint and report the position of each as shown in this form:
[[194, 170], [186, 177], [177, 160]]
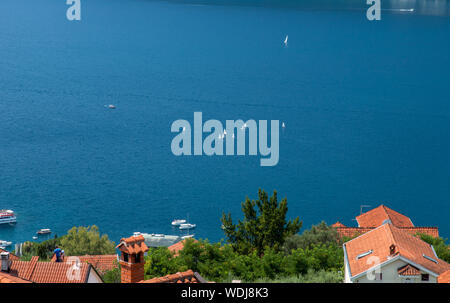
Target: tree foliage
[[86, 241], [264, 225], [318, 234], [439, 244]]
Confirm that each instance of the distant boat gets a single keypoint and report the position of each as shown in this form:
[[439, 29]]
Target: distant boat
[[286, 40], [111, 106], [35, 237], [283, 125], [178, 222], [187, 237], [5, 243], [44, 231], [187, 226]]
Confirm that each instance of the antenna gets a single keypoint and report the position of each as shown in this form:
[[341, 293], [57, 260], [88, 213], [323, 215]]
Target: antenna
[[362, 207]]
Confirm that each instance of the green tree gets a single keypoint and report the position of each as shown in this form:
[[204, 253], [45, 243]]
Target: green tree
[[112, 276], [318, 234], [264, 225], [439, 244], [86, 241]]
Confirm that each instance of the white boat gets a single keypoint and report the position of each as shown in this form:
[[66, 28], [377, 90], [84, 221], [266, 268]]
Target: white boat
[[286, 40], [283, 125], [35, 237], [178, 222], [187, 237], [5, 243], [111, 106], [187, 226], [44, 231], [7, 216]]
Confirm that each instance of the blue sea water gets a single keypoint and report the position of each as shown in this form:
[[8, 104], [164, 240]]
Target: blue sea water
[[366, 107]]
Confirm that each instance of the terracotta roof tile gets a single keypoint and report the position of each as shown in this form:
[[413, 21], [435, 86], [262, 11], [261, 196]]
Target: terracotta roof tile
[[376, 217], [180, 277], [102, 263], [8, 278], [50, 272], [379, 240], [133, 245], [408, 270], [444, 277], [352, 232]]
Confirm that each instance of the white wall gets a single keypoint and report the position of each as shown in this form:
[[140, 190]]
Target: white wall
[[390, 275]]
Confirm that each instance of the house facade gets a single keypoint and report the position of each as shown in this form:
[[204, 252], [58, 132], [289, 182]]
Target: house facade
[[388, 254]]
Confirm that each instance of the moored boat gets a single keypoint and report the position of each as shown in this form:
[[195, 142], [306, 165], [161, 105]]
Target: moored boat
[[187, 226], [44, 231], [7, 216], [178, 222]]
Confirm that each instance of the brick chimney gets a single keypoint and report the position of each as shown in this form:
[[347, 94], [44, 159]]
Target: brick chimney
[[132, 258]]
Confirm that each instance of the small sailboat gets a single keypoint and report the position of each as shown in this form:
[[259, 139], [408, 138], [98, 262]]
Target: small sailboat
[[286, 40], [283, 125]]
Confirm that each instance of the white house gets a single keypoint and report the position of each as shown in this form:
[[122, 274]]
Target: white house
[[388, 254]]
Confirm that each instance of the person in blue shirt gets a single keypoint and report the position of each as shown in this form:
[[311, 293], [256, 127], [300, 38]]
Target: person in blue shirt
[[57, 253]]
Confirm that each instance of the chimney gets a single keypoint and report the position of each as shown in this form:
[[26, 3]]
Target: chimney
[[6, 262], [132, 258], [392, 249]]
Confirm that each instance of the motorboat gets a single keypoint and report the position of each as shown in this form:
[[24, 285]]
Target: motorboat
[[4, 243], [7, 216], [187, 226], [178, 222], [44, 231]]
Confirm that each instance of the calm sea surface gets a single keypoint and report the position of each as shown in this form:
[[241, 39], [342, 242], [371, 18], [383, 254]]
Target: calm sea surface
[[366, 107]]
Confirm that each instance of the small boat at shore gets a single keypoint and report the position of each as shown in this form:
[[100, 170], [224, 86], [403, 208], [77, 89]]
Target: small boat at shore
[[44, 231], [187, 237], [178, 222], [187, 226]]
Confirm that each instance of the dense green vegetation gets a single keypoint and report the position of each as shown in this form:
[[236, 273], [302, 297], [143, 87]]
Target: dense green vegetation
[[440, 247], [78, 241], [264, 246], [264, 225]]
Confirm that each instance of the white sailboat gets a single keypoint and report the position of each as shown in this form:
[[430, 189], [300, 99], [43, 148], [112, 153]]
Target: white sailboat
[[286, 40]]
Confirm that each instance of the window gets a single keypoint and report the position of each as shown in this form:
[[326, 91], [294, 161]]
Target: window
[[425, 277], [363, 254], [125, 257], [138, 258]]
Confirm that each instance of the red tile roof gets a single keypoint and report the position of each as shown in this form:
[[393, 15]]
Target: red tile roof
[[50, 272], [444, 277], [133, 245], [180, 277], [376, 217], [8, 278], [102, 263], [175, 248], [379, 241], [408, 270], [352, 232]]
